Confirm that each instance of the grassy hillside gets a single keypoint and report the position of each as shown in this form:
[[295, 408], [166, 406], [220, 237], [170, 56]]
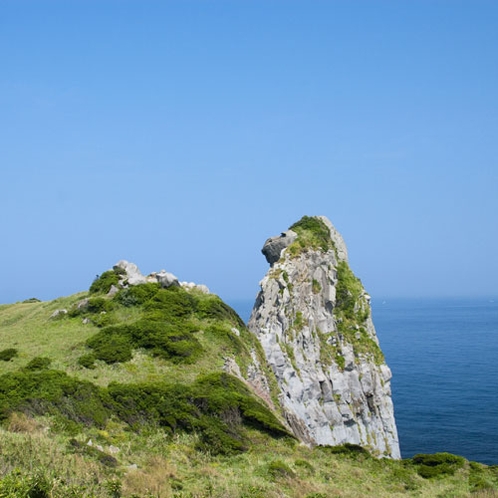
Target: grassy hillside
[[125, 396]]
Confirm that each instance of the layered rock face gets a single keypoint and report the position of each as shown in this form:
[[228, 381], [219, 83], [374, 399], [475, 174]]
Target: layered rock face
[[312, 317]]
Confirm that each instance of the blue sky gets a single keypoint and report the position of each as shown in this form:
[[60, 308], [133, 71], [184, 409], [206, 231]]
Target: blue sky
[[181, 134]]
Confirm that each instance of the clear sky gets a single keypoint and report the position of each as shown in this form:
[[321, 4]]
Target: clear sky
[[182, 134]]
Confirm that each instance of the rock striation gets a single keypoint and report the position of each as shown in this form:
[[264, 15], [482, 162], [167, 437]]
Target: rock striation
[[312, 317]]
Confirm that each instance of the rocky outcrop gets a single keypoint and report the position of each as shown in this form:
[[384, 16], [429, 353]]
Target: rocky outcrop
[[131, 275], [275, 245], [312, 317]]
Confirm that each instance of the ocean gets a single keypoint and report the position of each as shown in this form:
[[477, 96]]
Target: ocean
[[444, 357]]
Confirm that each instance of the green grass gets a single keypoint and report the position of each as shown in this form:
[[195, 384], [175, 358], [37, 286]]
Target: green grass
[[312, 234], [153, 464], [163, 426]]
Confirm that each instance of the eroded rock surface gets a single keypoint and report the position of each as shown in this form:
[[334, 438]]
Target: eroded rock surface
[[312, 317]]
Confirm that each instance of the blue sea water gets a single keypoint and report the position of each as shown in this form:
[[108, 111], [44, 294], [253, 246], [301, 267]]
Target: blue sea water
[[444, 357]]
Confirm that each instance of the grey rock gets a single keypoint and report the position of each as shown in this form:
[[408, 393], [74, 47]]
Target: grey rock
[[82, 304], [322, 401], [113, 291], [167, 279], [198, 287], [58, 313], [133, 274], [274, 246]]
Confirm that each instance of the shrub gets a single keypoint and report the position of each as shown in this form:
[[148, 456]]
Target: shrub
[[437, 464], [216, 406], [166, 340], [87, 360], [137, 295], [212, 307], [171, 305], [43, 392], [8, 354], [94, 305], [110, 346], [347, 449], [103, 283], [278, 469], [31, 300], [38, 363], [32, 485]]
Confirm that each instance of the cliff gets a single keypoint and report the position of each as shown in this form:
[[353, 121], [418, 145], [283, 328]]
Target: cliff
[[312, 317]]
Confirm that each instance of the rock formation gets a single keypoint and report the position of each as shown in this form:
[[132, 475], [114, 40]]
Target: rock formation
[[131, 275], [312, 317]]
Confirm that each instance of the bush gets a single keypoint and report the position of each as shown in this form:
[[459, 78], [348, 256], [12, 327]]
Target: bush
[[110, 346], [52, 392], [32, 485], [8, 354], [278, 469], [137, 295], [171, 341], [103, 283], [171, 305], [38, 363], [87, 360], [212, 307], [93, 306], [437, 464], [216, 406], [347, 449]]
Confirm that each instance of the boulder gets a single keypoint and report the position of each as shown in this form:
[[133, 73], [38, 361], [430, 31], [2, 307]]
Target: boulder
[[167, 279], [274, 246], [133, 274]]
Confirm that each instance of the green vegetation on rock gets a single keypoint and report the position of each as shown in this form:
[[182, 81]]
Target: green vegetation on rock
[[312, 233], [351, 312]]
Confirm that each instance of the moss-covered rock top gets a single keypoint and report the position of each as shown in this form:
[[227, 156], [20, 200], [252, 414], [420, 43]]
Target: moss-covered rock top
[[312, 233]]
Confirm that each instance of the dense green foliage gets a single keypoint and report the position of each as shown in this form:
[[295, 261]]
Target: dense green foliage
[[8, 354], [45, 391], [38, 363], [103, 283], [312, 233], [216, 406], [438, 464], [136, 295], [169, 320]]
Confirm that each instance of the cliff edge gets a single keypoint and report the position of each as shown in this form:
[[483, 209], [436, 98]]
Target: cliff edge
[[313, 319]]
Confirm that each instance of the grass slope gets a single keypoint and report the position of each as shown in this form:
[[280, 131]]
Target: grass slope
[[125, 396]]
